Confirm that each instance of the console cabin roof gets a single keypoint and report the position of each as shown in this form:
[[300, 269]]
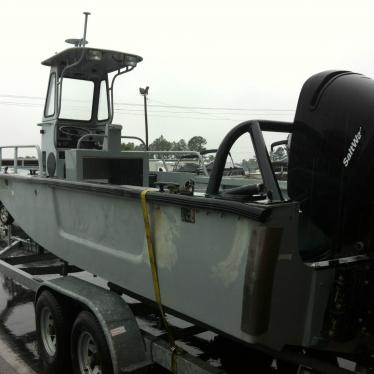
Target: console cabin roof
[[95, 62]]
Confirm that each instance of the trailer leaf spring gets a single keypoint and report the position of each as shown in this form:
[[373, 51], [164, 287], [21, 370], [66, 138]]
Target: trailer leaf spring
[[155, 278]]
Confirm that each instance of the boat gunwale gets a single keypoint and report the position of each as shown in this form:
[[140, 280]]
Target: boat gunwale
[[250, 210]]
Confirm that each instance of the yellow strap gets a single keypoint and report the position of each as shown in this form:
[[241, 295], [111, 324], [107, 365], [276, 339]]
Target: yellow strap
[[155, 278]]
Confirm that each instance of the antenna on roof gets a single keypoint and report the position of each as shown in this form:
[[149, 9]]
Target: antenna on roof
[[81, 42], [86, 14]]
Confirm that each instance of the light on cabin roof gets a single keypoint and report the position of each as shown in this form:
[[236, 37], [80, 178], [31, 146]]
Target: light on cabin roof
[[94, 55], [131, 61]]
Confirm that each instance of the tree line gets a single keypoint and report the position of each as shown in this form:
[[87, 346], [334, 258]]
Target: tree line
[[196, 143]]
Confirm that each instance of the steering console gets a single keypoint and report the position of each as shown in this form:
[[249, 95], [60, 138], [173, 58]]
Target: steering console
[[73, 131]]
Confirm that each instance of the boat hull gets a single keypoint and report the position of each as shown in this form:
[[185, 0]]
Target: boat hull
[[230, 266]]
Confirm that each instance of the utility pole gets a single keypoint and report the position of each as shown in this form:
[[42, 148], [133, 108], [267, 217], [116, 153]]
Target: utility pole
[[144, 93]]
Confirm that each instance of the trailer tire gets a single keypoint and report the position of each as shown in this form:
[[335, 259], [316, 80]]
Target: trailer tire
[[52, 330], [89, 348], [5, 217]]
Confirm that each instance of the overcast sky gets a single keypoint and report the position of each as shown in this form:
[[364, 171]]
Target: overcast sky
[[252, 56]]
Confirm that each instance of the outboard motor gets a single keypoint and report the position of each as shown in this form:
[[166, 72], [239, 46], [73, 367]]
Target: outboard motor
[[331, 164]]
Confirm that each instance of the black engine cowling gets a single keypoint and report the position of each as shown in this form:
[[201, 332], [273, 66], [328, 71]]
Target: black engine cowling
[[331, 163]]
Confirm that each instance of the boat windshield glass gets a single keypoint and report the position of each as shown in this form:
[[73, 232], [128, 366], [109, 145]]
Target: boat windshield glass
[[102, 113], [76, 99], [49, 109]]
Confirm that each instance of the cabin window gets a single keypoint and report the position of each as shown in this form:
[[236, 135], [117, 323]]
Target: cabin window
[[76, 99], [49, 109], [102, 113]]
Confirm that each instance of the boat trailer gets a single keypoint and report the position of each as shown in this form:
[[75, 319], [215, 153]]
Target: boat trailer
[[135, 345]]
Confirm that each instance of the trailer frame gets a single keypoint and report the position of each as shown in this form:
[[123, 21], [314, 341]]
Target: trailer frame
[[156, 348], [152, 349]]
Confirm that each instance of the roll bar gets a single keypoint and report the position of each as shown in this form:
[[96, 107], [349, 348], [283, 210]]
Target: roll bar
[[254, 128]]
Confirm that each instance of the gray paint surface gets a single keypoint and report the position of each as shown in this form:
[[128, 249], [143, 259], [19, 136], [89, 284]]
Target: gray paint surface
[[201, 265]]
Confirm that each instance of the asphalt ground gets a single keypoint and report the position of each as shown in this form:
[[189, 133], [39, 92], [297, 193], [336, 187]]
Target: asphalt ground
[[11, 363], [18, 349]]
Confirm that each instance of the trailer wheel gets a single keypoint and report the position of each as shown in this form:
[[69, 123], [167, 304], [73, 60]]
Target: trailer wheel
[[89, 350], [52, 329], [5, 217]]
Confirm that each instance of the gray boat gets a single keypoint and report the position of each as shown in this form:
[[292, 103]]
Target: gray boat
[[254, 262]]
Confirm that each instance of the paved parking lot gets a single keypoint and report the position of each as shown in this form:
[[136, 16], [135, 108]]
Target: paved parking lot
[[11, 363], [18, 352]]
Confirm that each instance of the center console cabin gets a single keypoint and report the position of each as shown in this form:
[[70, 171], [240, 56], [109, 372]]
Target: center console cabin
[[79, 141]]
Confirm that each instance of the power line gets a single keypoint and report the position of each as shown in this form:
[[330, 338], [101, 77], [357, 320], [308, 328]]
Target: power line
[[162, 105], [15, 103], [23, 97], [180, 117], [210, 108], [203, 113], [194, 111], [169, 105], [127, 110], [185, 117], [134, 112], [120, 112]]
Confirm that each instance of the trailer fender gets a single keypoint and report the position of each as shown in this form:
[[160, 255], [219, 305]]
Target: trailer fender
[[123, 336]]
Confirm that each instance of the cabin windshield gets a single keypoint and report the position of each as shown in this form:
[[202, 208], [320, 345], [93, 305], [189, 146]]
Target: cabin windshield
[[76, 99], [102, 111]]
